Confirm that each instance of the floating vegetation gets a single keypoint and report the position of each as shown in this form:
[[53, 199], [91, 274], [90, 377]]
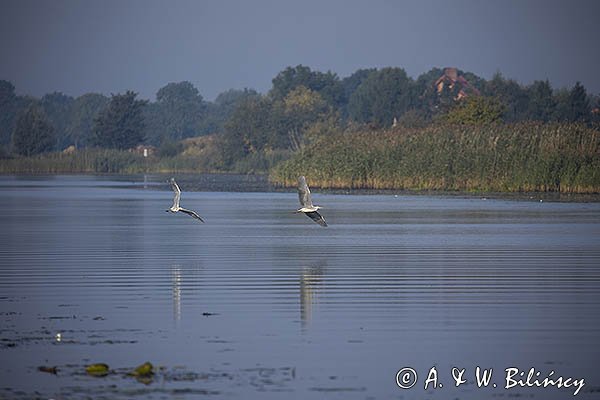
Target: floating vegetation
[[119, 383], [144, 370], [143, 373], [50, 370], [98, 370]]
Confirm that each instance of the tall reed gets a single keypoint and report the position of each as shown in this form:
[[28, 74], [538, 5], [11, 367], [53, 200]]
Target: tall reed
[[522, 157], [102, 161]]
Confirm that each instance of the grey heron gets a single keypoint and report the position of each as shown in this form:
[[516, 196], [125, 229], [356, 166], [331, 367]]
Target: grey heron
[[308, 208], [176, 208]]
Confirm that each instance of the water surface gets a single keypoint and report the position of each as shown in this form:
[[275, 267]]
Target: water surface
[[262, 303]]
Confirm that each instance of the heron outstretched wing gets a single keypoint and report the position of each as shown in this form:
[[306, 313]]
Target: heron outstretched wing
[[191, 213], [177, 193], [315, 216], [304, 193]]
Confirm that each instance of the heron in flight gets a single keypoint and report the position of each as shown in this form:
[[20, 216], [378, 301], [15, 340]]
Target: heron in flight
[[307, 206], [175, 207]]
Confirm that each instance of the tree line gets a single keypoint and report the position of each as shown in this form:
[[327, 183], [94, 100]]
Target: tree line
[[302, 106]]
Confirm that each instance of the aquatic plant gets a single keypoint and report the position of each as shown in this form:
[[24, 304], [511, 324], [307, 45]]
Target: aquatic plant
[[98, 369], [96, 160], [146, 369], [498, 157]]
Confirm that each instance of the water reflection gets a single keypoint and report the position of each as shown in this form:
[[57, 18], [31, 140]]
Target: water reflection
[[310, 282], [413, 282], [176, 280]]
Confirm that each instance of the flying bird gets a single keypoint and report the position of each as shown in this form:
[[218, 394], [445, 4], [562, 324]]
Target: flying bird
[[175, 207], [307, 206]]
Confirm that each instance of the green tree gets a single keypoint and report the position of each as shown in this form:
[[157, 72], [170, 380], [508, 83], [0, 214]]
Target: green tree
[[327, 84], [261, 126], [475, 81], [579, 108], [298, 111], [561, 99], [84, 110], [572, 105], [511, 94], [33, 132], [177, 113], [58, 107], [9, 105], [120, 124], [155, 122], [542, 105], [229, 99], [427, 99], [249, 129], [385, 94], [218, 112], [350, 84], [476, 110], [595, 113]]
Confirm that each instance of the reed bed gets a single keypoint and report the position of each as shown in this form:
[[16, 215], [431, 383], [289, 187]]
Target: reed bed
[[102, 161], [506, 158]]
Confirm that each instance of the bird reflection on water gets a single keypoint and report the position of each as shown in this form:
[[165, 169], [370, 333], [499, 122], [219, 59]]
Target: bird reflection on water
[[310, 282], [176, 290]]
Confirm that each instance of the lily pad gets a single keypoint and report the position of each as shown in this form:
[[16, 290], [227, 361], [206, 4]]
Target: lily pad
[[98, 370], [146, 369]]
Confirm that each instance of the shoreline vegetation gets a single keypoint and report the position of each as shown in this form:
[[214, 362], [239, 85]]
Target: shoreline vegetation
[[522, 157], [376, 129], [100, 161]]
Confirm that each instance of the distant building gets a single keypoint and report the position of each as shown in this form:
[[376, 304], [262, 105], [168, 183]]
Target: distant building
[[451, 80]]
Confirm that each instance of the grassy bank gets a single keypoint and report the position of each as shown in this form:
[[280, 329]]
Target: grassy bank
[[193, 155], [499, 158], [522, 157], [102, 161]]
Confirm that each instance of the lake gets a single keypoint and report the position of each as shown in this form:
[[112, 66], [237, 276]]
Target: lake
[[262, 303]]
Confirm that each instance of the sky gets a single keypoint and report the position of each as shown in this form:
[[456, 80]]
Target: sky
[[111, 46]]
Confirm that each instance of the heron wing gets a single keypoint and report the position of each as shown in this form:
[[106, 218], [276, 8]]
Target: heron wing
[[177, 193], [315, 216], [191, 213], [304, 193]]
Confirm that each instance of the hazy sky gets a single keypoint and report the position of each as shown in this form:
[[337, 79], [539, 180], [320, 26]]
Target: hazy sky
[[112, 46]]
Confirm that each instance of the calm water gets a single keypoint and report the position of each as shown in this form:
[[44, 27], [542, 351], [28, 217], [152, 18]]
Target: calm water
[[261, 303]]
